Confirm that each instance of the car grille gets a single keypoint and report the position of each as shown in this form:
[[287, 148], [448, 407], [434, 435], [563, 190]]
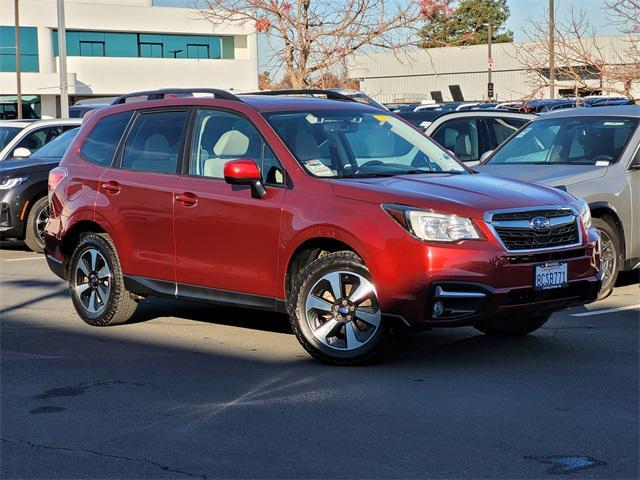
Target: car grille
[[530, 214], [516, 233]]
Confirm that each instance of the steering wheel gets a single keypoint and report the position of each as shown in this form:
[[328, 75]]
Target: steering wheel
[[370, 163]]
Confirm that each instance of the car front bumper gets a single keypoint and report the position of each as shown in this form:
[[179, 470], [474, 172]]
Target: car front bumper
[[475, 280], [13, 211]]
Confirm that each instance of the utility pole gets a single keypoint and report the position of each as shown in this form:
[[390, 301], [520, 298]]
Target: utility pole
[[552, 46], [489, 62], [62, 60], [18, 72]]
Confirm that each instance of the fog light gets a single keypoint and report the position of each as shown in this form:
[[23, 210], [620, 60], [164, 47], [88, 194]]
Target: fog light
[[438, 309]]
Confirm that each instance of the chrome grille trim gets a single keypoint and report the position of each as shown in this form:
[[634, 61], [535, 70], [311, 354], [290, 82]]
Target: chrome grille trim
[[560, 216]]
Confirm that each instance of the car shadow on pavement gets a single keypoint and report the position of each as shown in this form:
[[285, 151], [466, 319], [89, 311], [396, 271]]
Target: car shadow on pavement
[[628, 278], [152, 309], [14, 245]]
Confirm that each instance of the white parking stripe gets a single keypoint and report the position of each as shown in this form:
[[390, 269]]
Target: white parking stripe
[[608, 310], [22, 259]]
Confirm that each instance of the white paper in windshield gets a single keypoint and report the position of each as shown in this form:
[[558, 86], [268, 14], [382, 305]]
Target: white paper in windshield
[[318, 168]]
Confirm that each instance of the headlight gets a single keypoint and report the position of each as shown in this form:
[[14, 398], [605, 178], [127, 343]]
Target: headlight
[[7, 183], [585, 213], [431, 226]]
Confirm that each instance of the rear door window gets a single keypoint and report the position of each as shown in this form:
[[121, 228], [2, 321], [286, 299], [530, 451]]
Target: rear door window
[[37, 138], [101, 143], [459, 136], [502, 128], [154, 141]]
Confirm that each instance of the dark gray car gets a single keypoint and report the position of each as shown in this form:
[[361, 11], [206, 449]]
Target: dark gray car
[[593, 154]]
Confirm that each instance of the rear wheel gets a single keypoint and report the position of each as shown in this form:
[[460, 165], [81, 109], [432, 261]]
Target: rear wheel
[[334, 311], [36, 221], [96, 284], [512, 327], [610, 256]]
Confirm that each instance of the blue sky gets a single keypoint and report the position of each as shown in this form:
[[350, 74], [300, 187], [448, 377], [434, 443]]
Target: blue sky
[[521, 12]]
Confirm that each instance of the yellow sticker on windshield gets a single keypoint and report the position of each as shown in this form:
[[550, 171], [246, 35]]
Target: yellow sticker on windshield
[[381, 118]]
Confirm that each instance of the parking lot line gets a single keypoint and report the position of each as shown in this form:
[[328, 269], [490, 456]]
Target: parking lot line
[[21, 259], [608, 310]]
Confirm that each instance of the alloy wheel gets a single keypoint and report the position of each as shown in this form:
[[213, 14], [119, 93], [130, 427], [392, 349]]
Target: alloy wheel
[[92, 281], [608, 258], [41, 222], [342, 310]]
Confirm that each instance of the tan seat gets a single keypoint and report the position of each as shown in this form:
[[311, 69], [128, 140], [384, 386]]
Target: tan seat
[[231, 145]]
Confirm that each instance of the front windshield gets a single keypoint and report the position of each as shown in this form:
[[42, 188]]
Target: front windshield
[[7, 134], [56, 148], [573, 140], [358, 143]]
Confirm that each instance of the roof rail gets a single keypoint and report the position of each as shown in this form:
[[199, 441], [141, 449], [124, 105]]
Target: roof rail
[[330, 94], [185, 92]]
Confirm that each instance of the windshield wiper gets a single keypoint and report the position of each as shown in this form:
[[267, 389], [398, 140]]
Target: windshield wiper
[[415, 171], [369, 175], [431, 172]]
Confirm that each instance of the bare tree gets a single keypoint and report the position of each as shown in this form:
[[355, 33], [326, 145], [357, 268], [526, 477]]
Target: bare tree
[[313, 37], [583, 61], [625, 14]]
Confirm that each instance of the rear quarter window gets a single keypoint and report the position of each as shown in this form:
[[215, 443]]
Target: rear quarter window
[[100, 145]]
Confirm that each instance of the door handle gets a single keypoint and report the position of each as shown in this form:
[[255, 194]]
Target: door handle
[[187, 199], [111, 187]]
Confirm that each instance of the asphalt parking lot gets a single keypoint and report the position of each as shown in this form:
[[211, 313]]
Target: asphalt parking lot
[[193, 391]]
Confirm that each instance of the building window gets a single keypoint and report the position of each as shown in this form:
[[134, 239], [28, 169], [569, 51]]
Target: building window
[[28, 49], [91, 49], [82, 43], [197, 51], [152, 50]]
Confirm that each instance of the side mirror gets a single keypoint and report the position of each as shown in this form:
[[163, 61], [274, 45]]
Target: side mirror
[[485, 155], [245, 172], [21, 152]]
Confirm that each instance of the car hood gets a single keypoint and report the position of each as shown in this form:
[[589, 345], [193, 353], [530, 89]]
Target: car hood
[[462, 194], [26, 166], [552, 175]]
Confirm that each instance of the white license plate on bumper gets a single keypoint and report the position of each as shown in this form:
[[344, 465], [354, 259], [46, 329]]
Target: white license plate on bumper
[[550, 275]]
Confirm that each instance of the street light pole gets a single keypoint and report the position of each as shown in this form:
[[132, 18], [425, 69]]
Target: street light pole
[[18, 70], [489, 61], [552, 46], [62, 59]]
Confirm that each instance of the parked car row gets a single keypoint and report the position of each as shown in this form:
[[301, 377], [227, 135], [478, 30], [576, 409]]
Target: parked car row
[[525, 106], [334, 211]]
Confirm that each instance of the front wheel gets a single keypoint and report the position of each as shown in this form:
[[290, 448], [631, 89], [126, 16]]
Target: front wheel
[[512, 327], [96, 284], [36, 221], [334, 311], [610, 256]]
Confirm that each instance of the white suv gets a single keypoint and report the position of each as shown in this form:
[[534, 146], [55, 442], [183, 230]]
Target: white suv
[[20, 138]]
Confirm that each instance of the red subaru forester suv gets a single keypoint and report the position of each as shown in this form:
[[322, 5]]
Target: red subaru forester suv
[[338, 213]]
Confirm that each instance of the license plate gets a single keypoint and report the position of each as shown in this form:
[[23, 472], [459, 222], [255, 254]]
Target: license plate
[[550, 275]]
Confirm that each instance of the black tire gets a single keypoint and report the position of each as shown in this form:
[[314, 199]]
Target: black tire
[[119, 306], [33, 228], [376, 345], [512, 327], [609, 239]]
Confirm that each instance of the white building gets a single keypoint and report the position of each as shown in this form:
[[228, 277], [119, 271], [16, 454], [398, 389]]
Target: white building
[[119, 46], [415, 73]]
